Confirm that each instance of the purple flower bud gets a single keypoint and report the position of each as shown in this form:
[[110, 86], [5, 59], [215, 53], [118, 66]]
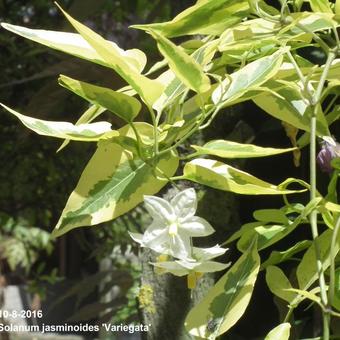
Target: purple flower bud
[[326, 154]]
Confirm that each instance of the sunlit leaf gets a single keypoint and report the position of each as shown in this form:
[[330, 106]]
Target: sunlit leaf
[[87, 117], [225, 177], [210, 17], [277, 257], [320, 6], [76, 45], [289, 107], [307, 272], [280, 332], [278, 282], [148, 89], [248, 78], [123, 106], [113, 182], [225, 302], [65, 130], [228, 149], [183, 65]]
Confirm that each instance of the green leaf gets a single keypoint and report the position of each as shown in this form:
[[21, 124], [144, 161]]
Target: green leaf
[[148, 89], [307, 272], [224, 177], [77, 46], [289, 107], [113, 182], [227, 300], [278, 282], [277, 257], [270, 215], [124, 106], [336, 301], [320, 6], [209, 17], [267, 235], [280, 332], [228, 149], [248, 78], [87, 117], [174, 87], [306, 294], [183, 65], [65, 130], [337, 7]]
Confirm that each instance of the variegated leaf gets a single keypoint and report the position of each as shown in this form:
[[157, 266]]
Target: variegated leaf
[[76, 45], [113, 182], [224, 177], [124, 106], [82, 132], [149, 90], [229, 149]]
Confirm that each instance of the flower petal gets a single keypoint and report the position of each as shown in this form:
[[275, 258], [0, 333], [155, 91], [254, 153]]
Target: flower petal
[[197, 226], [181, 247], [185, 203], [211, 266], [154, 229], [205, 254], [137, 237], [190, 265], [159, 243], [172, 267], [159, 209]]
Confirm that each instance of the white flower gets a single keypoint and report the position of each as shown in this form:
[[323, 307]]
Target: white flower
[[194, 269], [173, 225]]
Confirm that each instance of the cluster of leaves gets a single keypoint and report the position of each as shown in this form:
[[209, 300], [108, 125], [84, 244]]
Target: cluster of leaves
[[21, 250], [21, 244], [246, 50]]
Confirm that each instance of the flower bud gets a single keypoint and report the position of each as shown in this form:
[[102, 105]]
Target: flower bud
[[326, 154]]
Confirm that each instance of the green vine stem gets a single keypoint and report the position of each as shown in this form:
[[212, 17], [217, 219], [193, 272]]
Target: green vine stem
[[313, 192], [331, 288]]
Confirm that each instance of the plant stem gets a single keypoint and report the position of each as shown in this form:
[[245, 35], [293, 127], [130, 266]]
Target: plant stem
[[331, 287], [315, 102]]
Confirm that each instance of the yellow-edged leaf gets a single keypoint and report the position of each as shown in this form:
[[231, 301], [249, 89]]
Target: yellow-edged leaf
[[122, 105], [65, 130], [225, 177], [148, 89]]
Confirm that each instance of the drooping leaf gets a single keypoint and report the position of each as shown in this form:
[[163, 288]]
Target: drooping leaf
[[76, 45], [148, 89], [65, 130], [280, 332], [210, 17], [124, 106], [87, 117], [289, 107], [113, 182], [229, 149], [183, 65], [307, 272], [227, 300], [248, 78], [277, 257], [225, 177], [278, 282]]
